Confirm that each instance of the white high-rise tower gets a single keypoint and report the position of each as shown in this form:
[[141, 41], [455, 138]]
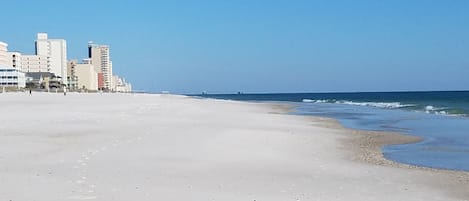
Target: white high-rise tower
[[56, 51]]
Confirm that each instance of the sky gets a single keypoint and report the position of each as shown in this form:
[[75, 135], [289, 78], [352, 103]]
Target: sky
[[259, 46]]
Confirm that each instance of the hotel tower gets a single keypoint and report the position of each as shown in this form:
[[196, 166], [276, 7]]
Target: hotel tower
[[56, 52], [100, 58]]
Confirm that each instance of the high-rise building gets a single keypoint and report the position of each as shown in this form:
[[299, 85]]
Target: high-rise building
[[100, 58], [56, 51], [3, 54]]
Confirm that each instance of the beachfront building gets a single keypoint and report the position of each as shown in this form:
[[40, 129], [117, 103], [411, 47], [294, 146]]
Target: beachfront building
[[120, 85], [11, 78], [99, 57], [3, 54], [87, 77], [14, 60], [42, 80], [72, 78], [33, 63], [56, 51], [28, 63]]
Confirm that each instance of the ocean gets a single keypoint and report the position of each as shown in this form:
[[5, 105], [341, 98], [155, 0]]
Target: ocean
[[440, 118]]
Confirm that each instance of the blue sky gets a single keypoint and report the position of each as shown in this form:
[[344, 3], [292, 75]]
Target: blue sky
[[260, 45]]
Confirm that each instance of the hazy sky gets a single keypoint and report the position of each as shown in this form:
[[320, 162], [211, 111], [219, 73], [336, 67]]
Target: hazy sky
[[260, 45]]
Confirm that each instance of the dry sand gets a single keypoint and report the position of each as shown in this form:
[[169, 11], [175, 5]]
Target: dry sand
[[163, 147]]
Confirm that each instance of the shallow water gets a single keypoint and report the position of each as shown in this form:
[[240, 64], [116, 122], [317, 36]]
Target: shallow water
[[445, 142]]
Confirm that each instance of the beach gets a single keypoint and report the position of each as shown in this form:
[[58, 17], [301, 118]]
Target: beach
[[168, 147]]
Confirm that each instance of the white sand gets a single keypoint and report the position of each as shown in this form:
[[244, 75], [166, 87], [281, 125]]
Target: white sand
[[150, 147]]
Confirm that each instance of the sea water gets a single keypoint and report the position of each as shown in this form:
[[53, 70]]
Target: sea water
[[440, 118]]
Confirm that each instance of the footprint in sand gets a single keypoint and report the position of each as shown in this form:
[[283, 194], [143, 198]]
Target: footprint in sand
[[85, 191]]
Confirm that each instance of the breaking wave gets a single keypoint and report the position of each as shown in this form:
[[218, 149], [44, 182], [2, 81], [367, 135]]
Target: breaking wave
[[387, 105], [429, 109]]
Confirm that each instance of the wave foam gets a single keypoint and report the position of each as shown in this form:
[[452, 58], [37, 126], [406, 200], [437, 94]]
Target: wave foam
[[429, 109], [387, 105]]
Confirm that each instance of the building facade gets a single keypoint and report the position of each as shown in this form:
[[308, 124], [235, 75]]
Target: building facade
[[100, 57], [72, 78], [11, 78], [3, 54], [120, 85], [14, 60], [56, 51], [34, 63], [28, 63], [87, 77]]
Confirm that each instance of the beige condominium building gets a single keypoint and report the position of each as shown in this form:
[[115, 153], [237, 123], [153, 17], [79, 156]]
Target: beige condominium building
[[56, 51], [101, 59], [87, 77], [28, 63]]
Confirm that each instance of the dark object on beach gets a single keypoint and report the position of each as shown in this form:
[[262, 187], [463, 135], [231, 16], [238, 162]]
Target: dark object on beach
[[30, 92]]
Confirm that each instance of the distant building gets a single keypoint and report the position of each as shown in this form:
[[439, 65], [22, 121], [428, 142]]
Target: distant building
[[32, 63], [100, 81], [56, 50], [120, 85], [87, 77], [28, 63], [72, 78], [43, 80], [14, 60], [100, 58], [3, 54], [11, 78]]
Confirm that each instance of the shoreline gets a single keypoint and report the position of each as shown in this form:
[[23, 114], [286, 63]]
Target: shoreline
[[366, 142], [364, 146]]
